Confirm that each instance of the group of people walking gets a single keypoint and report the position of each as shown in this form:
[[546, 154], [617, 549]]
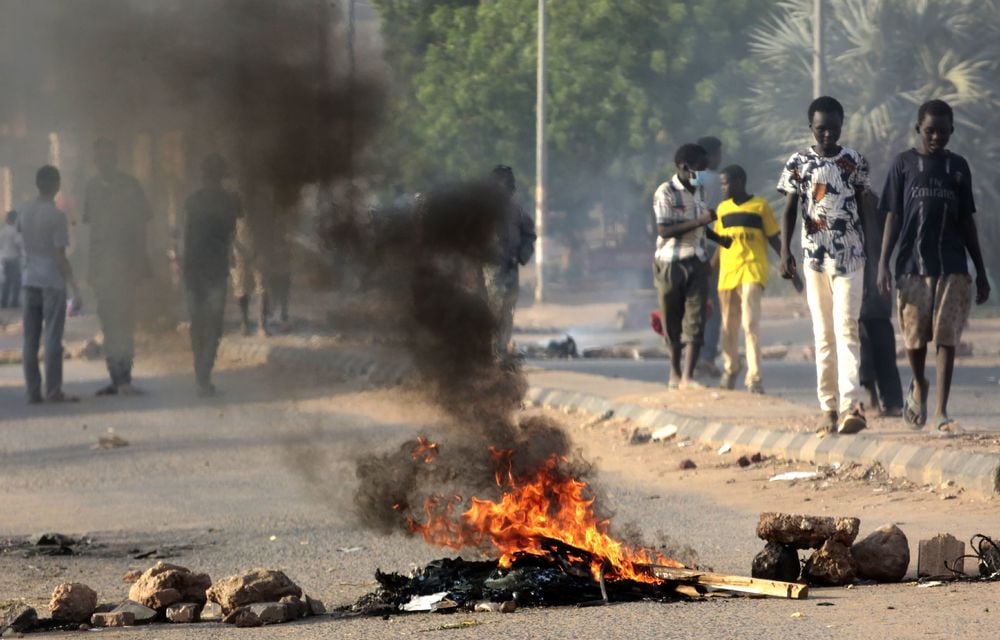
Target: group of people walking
[[924, 216], [118, 213]]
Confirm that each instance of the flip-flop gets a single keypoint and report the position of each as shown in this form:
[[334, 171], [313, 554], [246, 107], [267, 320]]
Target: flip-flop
[[914, 413], [947, 428]]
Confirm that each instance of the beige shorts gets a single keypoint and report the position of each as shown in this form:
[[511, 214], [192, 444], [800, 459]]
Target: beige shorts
[[933, 308]]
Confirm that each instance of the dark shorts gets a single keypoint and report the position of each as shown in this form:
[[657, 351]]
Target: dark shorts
[[682, 289]]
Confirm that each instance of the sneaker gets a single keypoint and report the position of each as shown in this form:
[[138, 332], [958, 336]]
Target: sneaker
[[756, 388], [110, 390], [61, 397], [707, 368], [727, 381], [129, 389], [828, 422], [852, 422], [207, 391], [691, 385]]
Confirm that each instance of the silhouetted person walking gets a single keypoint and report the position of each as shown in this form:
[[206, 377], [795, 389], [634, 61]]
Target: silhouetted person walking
[[117, 212], [11, 254], [47, 272], [209, 228]]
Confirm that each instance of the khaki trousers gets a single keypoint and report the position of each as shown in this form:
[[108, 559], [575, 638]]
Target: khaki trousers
[[835, 305], [740, 308]]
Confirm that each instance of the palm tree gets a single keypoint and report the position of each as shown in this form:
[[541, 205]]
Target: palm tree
[[884, 58]]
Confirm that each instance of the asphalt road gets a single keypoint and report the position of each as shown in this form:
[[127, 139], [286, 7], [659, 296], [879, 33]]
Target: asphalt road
[[264, 476]]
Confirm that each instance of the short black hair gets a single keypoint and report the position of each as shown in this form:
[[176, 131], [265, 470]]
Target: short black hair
[[825, 104], [46, 178], [935, 108], [11, 216], [504, 175], [690, 154], [735, 172], [710, 144]]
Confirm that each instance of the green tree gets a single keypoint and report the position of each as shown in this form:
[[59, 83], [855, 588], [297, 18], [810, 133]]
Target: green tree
[[630, 80]]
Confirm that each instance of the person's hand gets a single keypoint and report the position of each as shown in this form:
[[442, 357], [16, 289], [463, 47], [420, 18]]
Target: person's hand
[[982, 289], [884, 280], [787, 265]]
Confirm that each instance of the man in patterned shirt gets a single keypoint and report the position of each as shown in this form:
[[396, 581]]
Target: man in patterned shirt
[[826, 182], [680, 270]]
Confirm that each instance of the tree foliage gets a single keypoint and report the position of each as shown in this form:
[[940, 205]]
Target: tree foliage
[[629, 80]]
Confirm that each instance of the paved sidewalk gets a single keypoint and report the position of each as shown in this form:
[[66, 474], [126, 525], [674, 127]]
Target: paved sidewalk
[[750, 424]]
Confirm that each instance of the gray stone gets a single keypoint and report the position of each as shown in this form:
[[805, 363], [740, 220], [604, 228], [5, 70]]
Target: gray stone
[[140, 612], [832, 565], [509, 606], [183, 612], [297, 607], [245, 618], [316, 607], [257, 585], [883, 555], [272, 612], [211, 612], [806, 532], [166, 584], [113, 619], [934, 553], [73, 602], [776, 562], [19, 617]]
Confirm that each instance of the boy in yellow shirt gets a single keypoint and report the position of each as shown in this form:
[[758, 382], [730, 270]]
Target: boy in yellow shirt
[[748, 220]]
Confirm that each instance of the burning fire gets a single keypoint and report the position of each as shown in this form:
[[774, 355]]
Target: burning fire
[[532, 513]]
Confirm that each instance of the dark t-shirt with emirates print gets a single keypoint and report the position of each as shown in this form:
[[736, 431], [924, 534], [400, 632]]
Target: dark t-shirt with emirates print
[[931, 194]]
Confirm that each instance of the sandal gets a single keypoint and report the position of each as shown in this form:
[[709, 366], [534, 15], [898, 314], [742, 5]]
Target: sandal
[[914, 412], [947, 428]]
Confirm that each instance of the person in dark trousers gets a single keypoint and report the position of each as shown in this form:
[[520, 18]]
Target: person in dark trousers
[[713, 197], [47, 273], [117, 212], [680, 268], [209, 227], [516, 238], [879, 374], [929, 217], [11, 254]]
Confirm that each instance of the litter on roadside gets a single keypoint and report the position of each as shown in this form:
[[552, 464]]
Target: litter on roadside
[[795, 475]]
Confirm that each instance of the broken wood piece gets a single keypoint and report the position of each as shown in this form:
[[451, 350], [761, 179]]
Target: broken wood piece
[[741, 584]]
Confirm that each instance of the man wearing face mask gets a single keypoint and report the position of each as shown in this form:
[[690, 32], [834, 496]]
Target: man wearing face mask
[[680, 270]]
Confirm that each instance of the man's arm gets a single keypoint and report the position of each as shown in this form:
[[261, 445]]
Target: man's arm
[[786, 260], [723, 241], [970, 235], [676, 229], [66, 269], [890, 236], [775, 243]]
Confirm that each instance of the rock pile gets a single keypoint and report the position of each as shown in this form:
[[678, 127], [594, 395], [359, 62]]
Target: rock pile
[[167, 592], [882, 556]]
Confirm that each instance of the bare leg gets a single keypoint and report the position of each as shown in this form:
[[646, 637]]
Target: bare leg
[[945, 369], [676, 353], [690, 360], [918, 361]]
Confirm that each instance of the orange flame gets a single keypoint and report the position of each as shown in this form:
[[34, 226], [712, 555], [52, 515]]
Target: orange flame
[[544, 507], [425, 449]]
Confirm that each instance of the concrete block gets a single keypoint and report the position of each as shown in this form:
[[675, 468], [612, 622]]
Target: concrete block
[[934, 553]]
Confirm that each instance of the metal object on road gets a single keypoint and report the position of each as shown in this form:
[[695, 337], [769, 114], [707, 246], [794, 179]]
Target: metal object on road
[[541, 159]]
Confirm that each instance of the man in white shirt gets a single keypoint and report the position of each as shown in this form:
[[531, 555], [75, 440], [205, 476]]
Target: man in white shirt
[[10, 257], [47, 272]]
